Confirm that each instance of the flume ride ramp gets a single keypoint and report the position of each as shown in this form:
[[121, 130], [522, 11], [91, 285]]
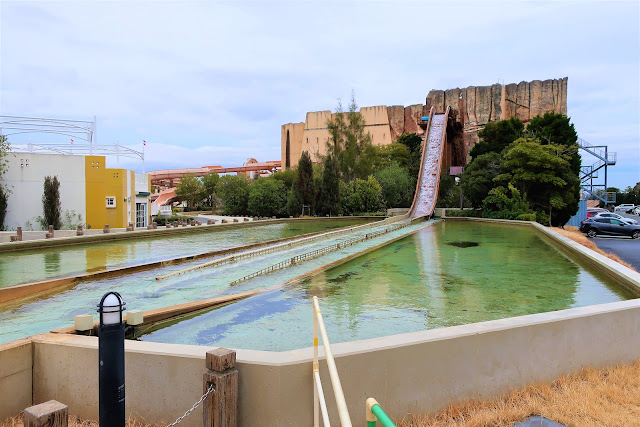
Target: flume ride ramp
[[424, 201]]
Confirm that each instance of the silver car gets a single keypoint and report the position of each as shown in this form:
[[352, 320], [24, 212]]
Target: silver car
[[616, 216]]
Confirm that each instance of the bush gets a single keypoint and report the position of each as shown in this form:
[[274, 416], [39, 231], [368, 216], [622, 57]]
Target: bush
[[51, 203], [233, 191], [267, 197], [465, 213], [3, 206], [397, 186], [163, 220], [527, 217], [359, 195]]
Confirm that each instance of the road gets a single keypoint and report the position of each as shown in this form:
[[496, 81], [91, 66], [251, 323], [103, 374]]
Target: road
[[626, 248]]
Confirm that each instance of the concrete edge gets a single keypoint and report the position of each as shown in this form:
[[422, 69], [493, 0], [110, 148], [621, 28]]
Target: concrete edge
[[146, 234], [624, 275], [14, 293], [305, 355]]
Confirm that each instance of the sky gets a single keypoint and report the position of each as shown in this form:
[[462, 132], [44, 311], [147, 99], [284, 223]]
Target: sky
[[211, 83]]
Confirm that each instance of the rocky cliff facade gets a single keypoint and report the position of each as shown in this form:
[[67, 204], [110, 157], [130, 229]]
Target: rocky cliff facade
[[473, 107]]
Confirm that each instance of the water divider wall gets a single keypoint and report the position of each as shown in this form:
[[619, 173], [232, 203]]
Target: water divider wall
[[420, 372], [26, 290]]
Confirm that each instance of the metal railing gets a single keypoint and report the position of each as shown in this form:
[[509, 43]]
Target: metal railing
[[257, 252], [319, 404], [319, 252], [375, 413]]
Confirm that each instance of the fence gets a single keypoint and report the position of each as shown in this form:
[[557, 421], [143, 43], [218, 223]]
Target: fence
[[266, 250], [580, 216], [318, 252]]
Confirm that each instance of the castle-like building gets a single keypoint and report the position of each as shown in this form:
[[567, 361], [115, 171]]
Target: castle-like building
[[473, 107]]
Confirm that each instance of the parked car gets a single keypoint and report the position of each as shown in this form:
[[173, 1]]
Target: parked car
[[616, 216], [609, 226], [623, 207], [594, 211], [635, 211]]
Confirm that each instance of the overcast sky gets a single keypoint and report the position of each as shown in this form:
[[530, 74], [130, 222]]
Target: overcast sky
[[212, 82]]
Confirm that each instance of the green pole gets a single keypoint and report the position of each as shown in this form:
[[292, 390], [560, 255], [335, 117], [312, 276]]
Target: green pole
[[371, 424], [382, 417]]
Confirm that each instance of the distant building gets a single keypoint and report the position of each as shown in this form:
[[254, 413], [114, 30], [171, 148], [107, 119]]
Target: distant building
[[473, 107], [101, 195]]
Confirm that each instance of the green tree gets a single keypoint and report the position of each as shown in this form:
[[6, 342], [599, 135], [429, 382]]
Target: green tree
[[294, 201], [397, 186], [233, 191], [51, 202], [348, 142], [3, 206], [360, 196], [556, 128], [414, 143], [477, 178], [329, 194], [209, 184], [543, 175], [496, 136], [287, 176], [304, 182], [4, 191], [190, 189], [267, 197], [507, 202], [394, 153]]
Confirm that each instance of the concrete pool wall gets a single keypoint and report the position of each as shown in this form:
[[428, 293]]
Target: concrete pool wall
[[409, 373]]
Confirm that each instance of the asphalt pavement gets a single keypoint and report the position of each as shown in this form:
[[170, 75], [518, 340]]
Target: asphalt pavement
[[626, 248]]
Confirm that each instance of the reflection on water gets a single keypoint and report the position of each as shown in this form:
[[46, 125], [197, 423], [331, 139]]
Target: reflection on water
[[33, 265], [420, 282]]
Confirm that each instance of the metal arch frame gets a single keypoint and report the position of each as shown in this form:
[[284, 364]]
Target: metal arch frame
[[79, 149], [82, 129]]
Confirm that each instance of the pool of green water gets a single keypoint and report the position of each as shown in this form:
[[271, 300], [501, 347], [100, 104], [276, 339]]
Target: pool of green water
[[40, 264], [451, 273]]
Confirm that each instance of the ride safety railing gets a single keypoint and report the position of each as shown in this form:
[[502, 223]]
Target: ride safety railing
[[374, 412], [319, 252], [268, 249], [319, 403]]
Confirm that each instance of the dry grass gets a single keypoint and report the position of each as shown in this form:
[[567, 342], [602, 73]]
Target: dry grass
[[578, 237], [607, 397], [74, 421]]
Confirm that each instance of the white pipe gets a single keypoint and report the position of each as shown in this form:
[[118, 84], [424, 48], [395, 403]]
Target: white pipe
[[316, 415], [323, 404], [343, 412]]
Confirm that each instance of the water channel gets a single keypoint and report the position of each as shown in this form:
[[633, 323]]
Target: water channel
[[449, 274]]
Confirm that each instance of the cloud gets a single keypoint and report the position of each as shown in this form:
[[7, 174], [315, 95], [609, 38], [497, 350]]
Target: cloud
[[218, 79]]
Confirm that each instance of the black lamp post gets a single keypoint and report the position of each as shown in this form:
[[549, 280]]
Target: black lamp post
[[111, 355]]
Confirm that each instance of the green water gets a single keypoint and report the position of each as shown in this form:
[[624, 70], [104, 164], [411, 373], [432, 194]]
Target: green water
[[40, 264], [449, 274]]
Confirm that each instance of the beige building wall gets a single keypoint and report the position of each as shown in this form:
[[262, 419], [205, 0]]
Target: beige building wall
[[291, 134]]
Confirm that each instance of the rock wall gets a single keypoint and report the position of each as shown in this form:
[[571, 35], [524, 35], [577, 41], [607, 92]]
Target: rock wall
[[475, 106]]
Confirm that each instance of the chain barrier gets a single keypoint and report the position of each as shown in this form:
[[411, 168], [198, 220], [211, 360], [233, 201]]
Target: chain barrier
[[195, 405]]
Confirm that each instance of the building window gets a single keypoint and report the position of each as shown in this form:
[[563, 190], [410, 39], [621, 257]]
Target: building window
[[141, 214], [111, 202]]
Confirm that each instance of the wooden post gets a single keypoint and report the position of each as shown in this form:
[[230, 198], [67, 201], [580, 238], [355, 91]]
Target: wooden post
[[106, 229], [221, 406], [79, 231], [49, 414]]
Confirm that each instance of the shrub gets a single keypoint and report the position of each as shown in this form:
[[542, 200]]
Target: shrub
[[397, 186], [465, 213], [51, 203], [234, 194], [359, 196], [267, 197], [527, 217], [3, 206]]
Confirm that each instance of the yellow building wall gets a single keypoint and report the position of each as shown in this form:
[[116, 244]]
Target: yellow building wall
[[132, 195], [94, 172], [116, 186]]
